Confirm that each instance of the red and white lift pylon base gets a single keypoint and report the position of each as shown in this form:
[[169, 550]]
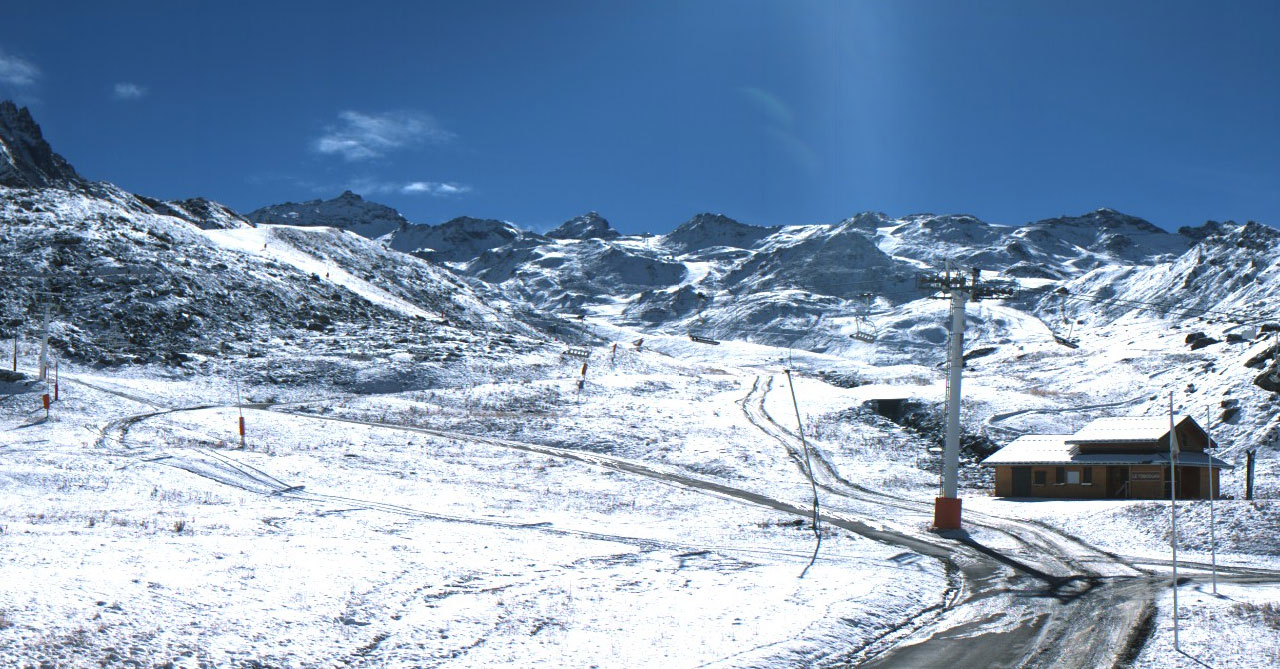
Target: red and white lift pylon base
[[946, 508]]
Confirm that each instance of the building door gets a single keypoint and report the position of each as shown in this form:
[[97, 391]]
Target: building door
[[1021, 481], [1189, 482], [1117, 482]]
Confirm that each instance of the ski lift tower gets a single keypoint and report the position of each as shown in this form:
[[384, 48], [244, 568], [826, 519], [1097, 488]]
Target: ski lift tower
[[961, 289]]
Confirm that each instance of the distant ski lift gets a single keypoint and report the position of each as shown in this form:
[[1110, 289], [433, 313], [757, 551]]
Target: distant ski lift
[[1066, 340], [576, 352], [864, 329], [703, 340]]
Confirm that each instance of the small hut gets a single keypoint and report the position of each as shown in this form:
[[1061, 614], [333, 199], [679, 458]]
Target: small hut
[[1111, 458]]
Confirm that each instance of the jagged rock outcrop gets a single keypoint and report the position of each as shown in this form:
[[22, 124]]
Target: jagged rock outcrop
[[26, 159], [590, 225], [204, 214]]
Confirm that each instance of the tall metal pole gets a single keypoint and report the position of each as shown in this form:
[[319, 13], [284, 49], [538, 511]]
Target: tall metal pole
[[946, 509], [1213, 539], [1173, 516], [955, 368]]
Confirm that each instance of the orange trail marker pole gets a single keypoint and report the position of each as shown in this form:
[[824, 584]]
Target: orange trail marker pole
[[240, 410], [45, 399]]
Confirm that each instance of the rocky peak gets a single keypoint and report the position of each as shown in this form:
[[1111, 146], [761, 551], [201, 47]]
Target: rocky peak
[[590, 225], [26, 159], [1201, 232], [1103, 219], [710, 230], [348, 211]]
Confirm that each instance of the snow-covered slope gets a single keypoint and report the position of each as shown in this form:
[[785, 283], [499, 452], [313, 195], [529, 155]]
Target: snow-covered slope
[[128, 284], [130, 279]]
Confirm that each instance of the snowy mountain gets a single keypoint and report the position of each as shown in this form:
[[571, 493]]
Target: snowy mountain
[[131, 279], [459, 240], [1055, 248], [526, 420], [348, 211], [590, 225]]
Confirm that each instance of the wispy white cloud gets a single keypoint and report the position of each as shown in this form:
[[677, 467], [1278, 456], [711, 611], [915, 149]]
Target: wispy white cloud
[[16, 71], [367, 186], [128, 91], [770, 105], [780, 127], [434, 188], [361, 136]]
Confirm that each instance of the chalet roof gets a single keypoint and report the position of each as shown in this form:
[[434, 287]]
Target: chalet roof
[[1140, 429], [1059, 450], [1033, 449]]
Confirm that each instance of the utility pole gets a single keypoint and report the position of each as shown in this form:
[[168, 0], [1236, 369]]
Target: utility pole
[[961, 289]]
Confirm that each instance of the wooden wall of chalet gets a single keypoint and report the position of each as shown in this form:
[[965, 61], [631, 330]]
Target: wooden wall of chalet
[[1052, 487], [1145, 482]]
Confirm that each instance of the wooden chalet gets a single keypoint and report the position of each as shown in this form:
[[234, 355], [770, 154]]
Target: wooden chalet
[[1111, 458]]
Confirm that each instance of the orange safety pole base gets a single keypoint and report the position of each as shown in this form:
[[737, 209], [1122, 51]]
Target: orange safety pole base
[[946, 513]]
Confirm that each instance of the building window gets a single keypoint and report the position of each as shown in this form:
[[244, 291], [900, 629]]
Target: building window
[[1060, 475], [1087, 476], [1073, 477], [1037, 477]]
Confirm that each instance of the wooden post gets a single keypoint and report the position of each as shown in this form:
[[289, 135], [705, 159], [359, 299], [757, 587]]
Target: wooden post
[[240, 410]]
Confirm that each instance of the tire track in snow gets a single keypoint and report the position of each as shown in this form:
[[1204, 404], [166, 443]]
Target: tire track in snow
[[1028, 634]]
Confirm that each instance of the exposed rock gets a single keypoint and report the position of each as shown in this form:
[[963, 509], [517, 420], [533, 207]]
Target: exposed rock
[[26, 159], [348, 211], [590, 225]]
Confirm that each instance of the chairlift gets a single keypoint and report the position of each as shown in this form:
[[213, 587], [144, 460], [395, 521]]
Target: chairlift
[[703, 340], [576, 352], [864, 329], [1066, 340]]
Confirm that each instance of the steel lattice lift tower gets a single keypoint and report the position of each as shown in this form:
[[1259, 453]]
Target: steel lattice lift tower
[[961, 289]]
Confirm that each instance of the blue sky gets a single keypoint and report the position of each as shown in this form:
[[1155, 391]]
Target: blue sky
[[769, 112]]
